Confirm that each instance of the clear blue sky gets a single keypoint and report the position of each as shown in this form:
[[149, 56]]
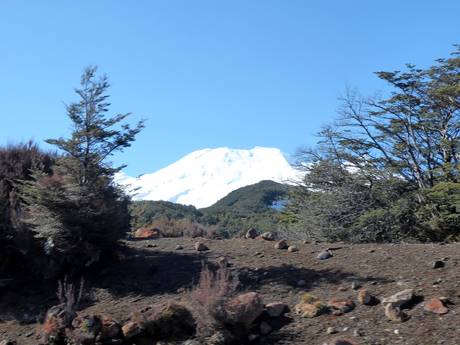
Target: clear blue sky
[[211, 73]]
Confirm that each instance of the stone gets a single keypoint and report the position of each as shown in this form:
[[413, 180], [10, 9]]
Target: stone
[[437, 264], [131, 329], [265, 328], [246, 308], [293, 249], [341, 306], [281, 245], [200, 247], [147, 233], [7, 342], [310, 310], [436, 306], [365, 297], [400, 298], [152, 245], [394, 313], [179, 247], [251, 234], [331, 330], [325, 254], [276, 309], [268, 236]]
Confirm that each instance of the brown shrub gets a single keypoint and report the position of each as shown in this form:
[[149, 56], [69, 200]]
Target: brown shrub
[[209, 298]]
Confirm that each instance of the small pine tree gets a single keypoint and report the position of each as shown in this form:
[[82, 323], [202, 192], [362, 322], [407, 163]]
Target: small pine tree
[[78, 211]]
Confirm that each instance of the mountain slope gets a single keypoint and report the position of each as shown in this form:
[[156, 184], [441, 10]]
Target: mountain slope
[[203, 177]]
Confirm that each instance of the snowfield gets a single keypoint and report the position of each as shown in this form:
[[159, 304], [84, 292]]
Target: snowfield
[[203, 177]]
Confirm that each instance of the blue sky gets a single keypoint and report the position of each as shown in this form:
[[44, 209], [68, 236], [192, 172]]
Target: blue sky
[[208, 73]]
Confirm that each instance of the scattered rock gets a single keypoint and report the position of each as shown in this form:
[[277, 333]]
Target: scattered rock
[[310, 310], [437, 264], [341, 306], [292, 249], [179, 247], [394, 313], [246, 307], [147, 233], [276, 309], [400, 299], [436, 306], [200, 247], [325, 254], [365, 297], [268, 236], [131, 329], [281, 245], [251, 234]]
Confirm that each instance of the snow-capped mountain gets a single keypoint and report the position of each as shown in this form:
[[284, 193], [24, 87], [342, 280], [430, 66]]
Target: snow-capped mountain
[[203, 177]]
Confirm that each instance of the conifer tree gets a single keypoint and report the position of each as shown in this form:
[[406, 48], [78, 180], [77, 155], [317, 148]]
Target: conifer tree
[[78, 211]]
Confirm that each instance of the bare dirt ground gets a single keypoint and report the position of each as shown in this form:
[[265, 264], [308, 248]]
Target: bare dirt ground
[[147, 274]]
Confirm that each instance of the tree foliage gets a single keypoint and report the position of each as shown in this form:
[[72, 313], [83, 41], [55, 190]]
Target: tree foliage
[[383, 160]]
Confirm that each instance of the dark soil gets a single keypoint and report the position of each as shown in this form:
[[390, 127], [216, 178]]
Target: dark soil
[[145, 275]]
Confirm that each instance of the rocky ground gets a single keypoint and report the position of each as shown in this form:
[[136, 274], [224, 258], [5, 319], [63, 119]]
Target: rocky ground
[[153, 271]]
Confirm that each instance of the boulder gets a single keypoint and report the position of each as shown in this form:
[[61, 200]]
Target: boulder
[[222, 261], [293, 249], [179, 247], [147, 233], [325, 254], [268, 236], [436, 306], [276, 309], [200, 247], [400, 298], [57, 319], [341, 306], [281, 245], [251, 234], [170, 321], [246, 308]]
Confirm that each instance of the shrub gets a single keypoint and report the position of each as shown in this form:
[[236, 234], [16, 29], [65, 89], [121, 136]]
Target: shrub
[[16, 240]]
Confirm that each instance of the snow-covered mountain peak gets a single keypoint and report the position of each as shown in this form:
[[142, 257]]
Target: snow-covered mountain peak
[[204, 176]]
